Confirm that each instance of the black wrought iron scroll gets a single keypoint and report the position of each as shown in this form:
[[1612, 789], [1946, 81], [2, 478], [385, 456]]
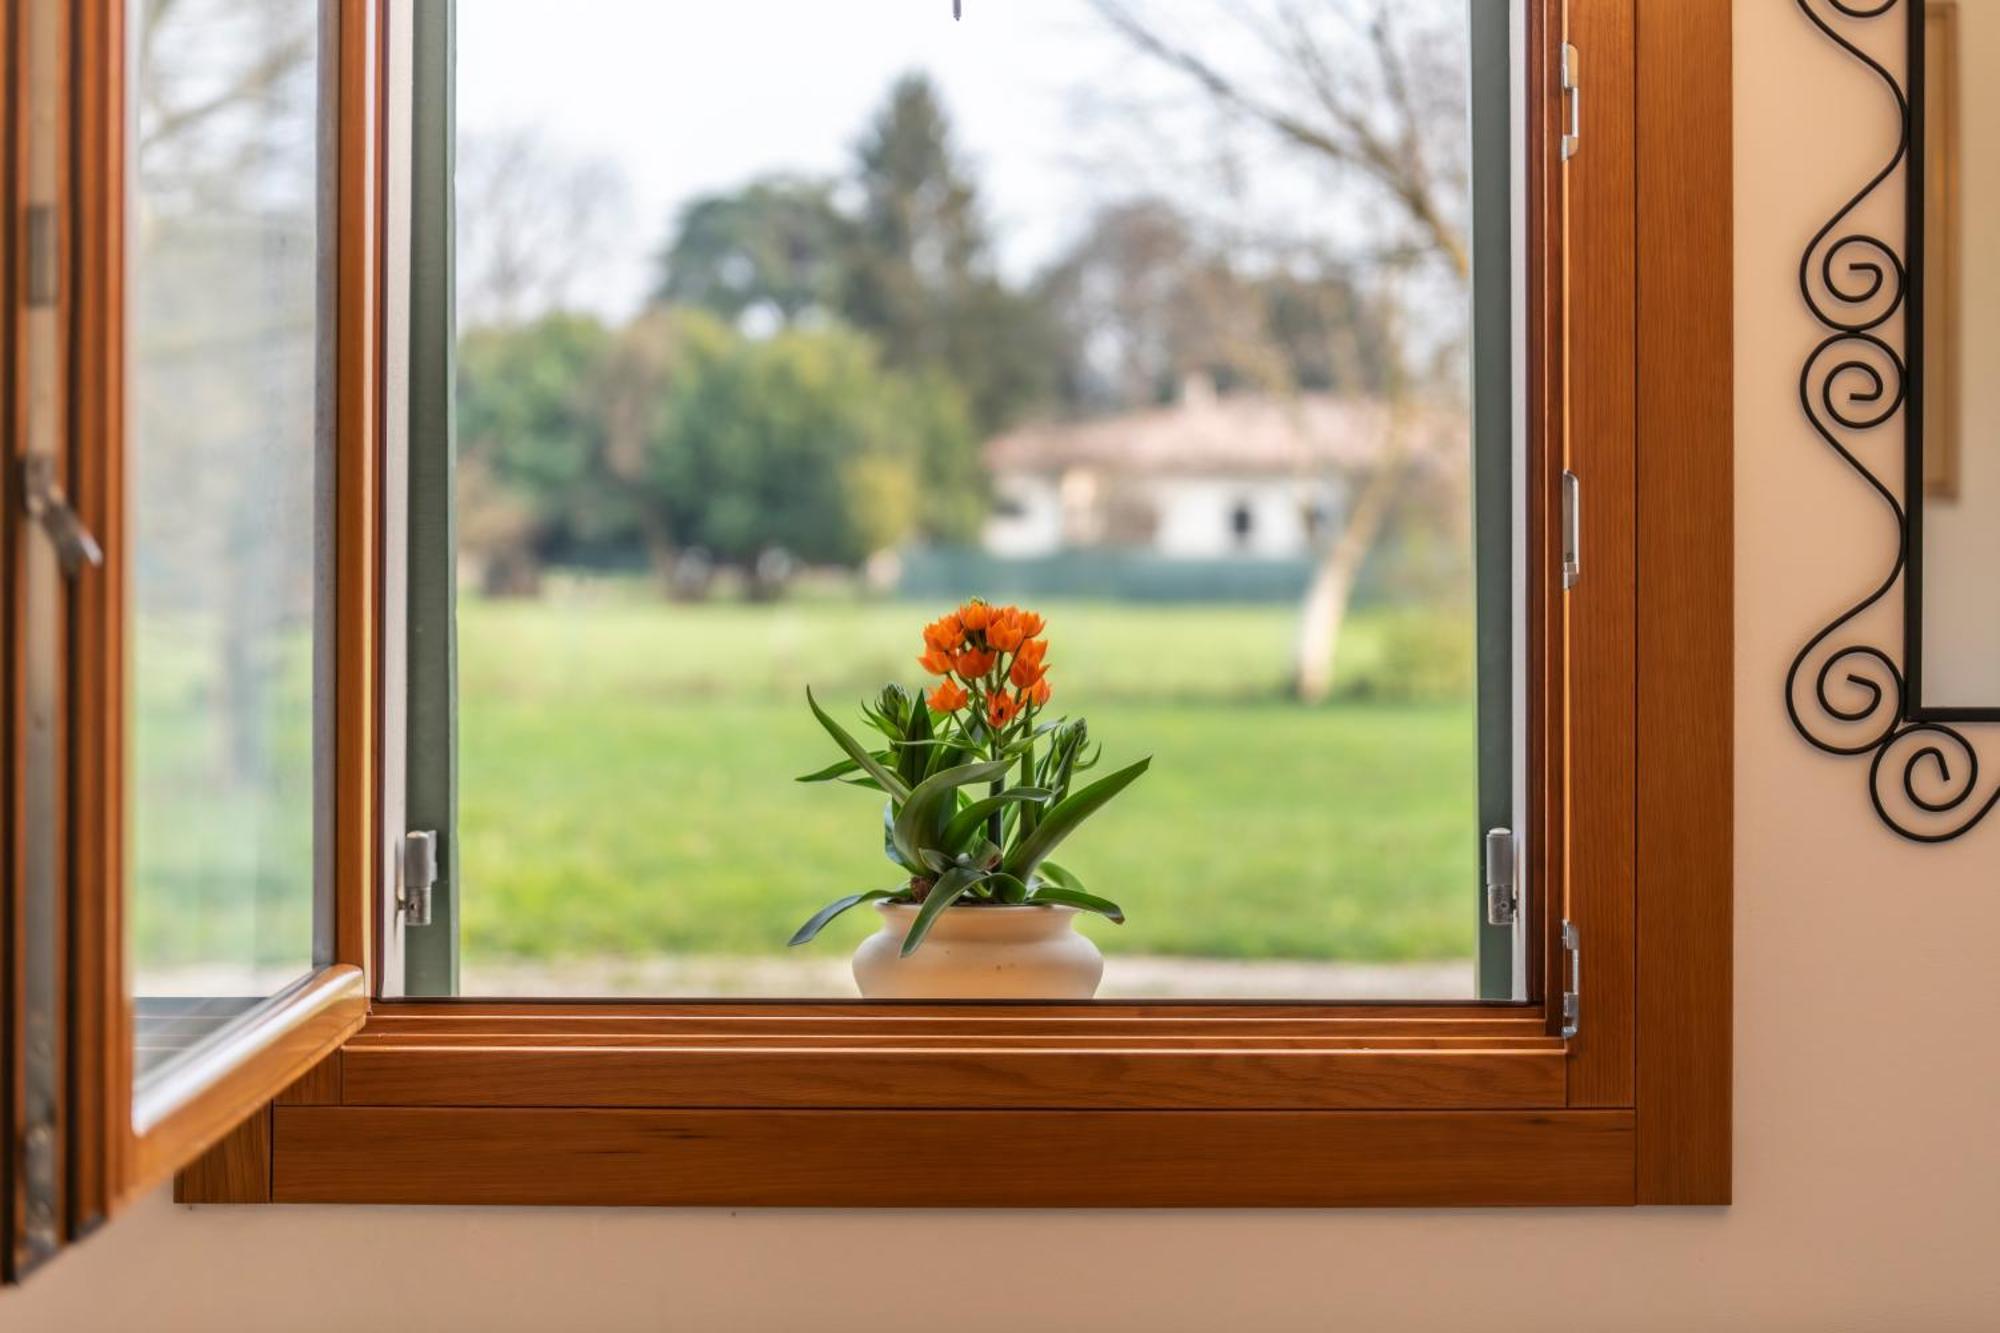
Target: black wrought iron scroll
[[1846, 694]]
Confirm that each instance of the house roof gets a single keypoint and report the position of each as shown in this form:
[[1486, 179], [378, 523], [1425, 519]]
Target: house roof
[[1236, 434]]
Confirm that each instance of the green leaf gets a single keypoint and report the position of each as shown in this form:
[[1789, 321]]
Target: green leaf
[[830, 772], [910, 761], [969, 820], [817, 922], [914, 865], [1089, 902], [1059, 877], [949, 889], [1006, 888], [925, 809], [1028, 813], [892, 784], [1062, 818], [946, 755]]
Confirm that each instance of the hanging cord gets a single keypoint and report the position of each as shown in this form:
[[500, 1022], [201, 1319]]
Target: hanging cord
[[954, 10]]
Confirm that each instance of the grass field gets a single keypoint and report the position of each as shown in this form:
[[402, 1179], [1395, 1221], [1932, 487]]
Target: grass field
[[625, 780], [626, 788]]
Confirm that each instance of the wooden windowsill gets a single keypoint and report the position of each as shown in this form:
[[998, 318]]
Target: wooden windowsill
[[901, 1105], [987, 1056]]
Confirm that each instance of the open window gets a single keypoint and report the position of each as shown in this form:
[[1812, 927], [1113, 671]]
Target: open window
[[192, 207], [643, 382], [361, 635]]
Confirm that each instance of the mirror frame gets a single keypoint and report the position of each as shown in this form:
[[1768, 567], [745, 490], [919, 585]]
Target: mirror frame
[[1917, 354]]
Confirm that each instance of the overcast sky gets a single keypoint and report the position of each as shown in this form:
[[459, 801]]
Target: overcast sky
[[687, 97]]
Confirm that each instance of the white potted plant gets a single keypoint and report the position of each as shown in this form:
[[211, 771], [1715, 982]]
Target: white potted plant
[[980, 790]]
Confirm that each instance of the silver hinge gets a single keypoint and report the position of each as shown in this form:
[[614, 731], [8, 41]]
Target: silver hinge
[[43, 500], [39, 234], [1573, 985], [1572, 529], [419, 878], [1572, 86], [1501, 854]]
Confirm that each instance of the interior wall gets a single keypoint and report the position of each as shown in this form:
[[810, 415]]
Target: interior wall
[[1868, 1176]]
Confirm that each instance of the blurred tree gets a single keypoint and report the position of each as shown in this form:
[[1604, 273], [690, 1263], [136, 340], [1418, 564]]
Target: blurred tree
[[772, 250], [531, 219], [920, 274], [532, 439], [800, 443], [1372, 95], [1146, 300]]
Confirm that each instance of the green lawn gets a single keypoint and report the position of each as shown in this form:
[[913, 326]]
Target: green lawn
[[625, 780]]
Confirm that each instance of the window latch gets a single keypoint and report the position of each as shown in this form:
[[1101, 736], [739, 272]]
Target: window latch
[[1502, 907], [43, 500], [1573, 985], [419, 877], [1572, 87], [1572, 529]]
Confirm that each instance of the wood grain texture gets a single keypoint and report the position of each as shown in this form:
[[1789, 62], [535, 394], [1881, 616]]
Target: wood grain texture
[[195, 1105], [13, 114], [796, 1075], [1686, 789], [39, 86], [1599, 610], [947, 1158], [101, 1033], [236, 1169], [357, 469], [319, 1087]]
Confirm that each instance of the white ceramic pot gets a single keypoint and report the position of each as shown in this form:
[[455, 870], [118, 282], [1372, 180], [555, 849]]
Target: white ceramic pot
[[980, 953]]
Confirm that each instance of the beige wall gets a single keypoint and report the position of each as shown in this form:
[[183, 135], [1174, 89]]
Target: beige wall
[[1868, 1084]]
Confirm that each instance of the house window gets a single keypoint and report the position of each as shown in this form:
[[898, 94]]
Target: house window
[[1242, 523], [809, 328], [812, 1102]]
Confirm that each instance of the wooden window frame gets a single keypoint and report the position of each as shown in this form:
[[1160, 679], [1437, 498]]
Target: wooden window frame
[[293, 1030], [102, 1156], [813, 1104]]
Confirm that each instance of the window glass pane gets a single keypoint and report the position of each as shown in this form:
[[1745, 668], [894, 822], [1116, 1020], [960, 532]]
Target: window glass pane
[[758, 375], [223, 292]]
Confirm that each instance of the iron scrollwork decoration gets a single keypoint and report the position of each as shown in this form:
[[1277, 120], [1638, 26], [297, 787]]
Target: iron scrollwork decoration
[[1846, 694]]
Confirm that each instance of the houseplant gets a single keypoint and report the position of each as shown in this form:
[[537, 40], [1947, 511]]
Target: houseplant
[[981, 787]]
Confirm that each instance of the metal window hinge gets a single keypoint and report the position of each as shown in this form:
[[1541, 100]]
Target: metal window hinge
[[1501, 854], [419, 878], [1572, 529], [43, 500], [1572, 87], [1573, 985]]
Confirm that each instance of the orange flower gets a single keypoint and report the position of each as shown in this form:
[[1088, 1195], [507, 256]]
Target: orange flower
[[1031, 624], [936, 661], [1025, 673], [948, 697], [975, 616], [1038, 693], [974, 663], [945, 634], [1000, 710], [1033, 651], [1005, 632]]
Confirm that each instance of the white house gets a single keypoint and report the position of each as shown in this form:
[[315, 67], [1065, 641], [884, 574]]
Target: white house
[[1209, 477]]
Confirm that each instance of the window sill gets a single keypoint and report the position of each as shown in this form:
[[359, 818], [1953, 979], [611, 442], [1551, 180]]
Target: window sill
[[847, 1106]]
